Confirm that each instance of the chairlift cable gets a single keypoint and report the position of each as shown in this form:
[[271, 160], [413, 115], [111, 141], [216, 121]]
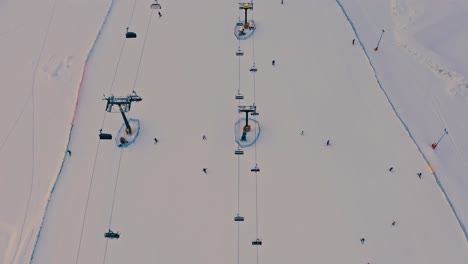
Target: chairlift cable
[[253, 59], [113, 199], [238, 157], [121, 151], [255, 144], [99, 143], [122, 47], [15, 123], [238, 208], [256, 203], [133, 12], [87, 200], [143, 49], [90, 186], [118, 63]]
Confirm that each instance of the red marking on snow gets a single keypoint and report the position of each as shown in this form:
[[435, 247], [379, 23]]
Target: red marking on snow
[[78, 95]]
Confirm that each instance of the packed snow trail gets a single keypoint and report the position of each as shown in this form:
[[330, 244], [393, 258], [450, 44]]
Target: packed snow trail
[[315, 200]]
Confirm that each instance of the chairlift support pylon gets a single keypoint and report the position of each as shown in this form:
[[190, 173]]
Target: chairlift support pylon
[[124, 104], [247, 109], [245, 7], [124, 101]]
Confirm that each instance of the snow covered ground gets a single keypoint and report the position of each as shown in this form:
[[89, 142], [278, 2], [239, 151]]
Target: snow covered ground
[[43, 50], [421, 66], [315, 202]]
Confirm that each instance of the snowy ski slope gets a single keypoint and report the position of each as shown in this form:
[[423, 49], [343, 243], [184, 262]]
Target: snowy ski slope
[[419, 65], [314, 202], [44, 45]]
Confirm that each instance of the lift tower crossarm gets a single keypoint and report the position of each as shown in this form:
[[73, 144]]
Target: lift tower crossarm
[[124, 103], [247, 110]]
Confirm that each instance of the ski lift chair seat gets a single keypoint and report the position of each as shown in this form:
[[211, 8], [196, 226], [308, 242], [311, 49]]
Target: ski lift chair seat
[[130, 35]]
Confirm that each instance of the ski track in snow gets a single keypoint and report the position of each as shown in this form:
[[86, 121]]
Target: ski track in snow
[[33, 136], [439, 184], [424, 56]]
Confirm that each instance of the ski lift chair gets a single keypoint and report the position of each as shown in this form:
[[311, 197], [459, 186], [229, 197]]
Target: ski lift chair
[[239, 96], [239, 151], [111, 234], [104, 136], [239, 52], [257, 242], [239, 218], [255, 169], [130, 34]]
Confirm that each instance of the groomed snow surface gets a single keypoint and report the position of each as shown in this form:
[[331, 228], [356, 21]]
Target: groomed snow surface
[[315, 202], [420, 66], [44, 45]]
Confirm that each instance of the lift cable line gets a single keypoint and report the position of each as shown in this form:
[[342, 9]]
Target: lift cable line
[[95, 158], [257, 242], [238, 218], [124, 105], [16, 122], [143, 49], [99, 142], [113, 202]]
